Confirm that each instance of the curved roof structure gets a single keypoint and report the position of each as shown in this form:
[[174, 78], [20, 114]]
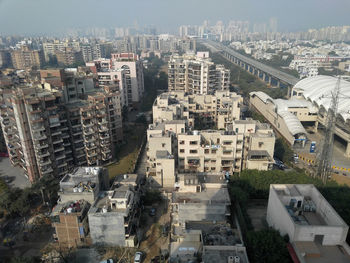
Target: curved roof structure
[[294, 125], [318, 90]]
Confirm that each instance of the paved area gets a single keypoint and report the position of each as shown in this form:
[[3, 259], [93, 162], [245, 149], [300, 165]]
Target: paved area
[[257, 210], [15, 174], [142, 164], [339, 160]]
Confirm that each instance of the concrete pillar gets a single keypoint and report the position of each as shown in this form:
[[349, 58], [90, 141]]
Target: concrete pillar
[[278, 83], [316, 126], [347, 151], [270, 80]]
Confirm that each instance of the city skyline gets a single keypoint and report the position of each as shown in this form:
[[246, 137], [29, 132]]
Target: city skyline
[[52, 17]]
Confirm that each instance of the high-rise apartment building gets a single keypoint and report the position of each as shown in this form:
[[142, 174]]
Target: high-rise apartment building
[[196, 74], [49, 130], [133, 67], [25, 58], [124, 70]]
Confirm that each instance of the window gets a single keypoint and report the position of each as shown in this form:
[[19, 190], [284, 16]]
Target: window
[[206, 151], [261, 144], [182, 142], [163, 145], [193, 151], [182, 150]]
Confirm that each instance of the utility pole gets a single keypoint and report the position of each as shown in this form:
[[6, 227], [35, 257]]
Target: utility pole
[[326, 151]]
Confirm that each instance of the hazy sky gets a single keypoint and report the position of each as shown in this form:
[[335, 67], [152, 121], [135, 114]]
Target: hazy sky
[[50, 16]]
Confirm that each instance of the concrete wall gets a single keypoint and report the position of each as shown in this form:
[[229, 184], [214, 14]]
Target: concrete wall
[[277, 216]]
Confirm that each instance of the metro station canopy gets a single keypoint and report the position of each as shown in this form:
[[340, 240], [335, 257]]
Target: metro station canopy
[[319, 90]]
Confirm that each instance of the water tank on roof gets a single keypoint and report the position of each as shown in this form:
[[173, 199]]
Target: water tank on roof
[[69, 210], [104, 209], [80, 189], [237, 259], [75, 189], [230, 259], [195, 132], [125, 176]]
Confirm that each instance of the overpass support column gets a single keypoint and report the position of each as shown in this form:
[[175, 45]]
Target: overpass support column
[[347, 151], [278, 83]]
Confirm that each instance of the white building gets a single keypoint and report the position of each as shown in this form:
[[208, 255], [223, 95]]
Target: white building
[[313, 226]]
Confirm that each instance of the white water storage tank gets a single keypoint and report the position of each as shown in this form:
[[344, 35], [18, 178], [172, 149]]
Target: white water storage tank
[[230, 259], [195, 132], [104, 209], [237, 259]]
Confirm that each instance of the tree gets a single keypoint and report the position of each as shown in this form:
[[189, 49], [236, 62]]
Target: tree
[[267, 246], [283, 151]]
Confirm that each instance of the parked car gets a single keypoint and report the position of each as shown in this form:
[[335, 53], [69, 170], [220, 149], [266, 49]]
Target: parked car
[[165, 230], [138, 257], [152, 212], [107, 261]]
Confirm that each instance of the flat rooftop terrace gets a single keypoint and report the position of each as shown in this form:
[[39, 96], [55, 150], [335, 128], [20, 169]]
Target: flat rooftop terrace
[[208, 196]]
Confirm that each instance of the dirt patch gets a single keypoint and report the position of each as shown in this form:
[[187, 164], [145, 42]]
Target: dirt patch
[[154, 240]]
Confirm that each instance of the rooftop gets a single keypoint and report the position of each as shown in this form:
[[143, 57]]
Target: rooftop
[[306, 206], [70, 207], [208, 196]]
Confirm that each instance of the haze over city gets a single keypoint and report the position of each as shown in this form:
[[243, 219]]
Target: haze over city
[[49, 16]]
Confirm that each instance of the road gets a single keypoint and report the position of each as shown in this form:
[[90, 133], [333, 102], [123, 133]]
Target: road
[[15, 174]]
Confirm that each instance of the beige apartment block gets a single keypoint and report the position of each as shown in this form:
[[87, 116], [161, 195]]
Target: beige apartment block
[[161, 152], [196, 74], [205, 111], [259, 144], [25, 58], [210, 151]]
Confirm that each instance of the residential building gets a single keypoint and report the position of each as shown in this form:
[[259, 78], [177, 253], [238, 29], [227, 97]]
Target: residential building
[[162, 153], [201, 110], [196, 74], [69, 56], [5, 59], [316, 232], [70, 221], [114, 216], [133, 73], [200, 228], [83, 183], [25, 58], [50, 130]]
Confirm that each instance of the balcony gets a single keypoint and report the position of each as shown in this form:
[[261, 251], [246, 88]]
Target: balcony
[[41, 145], [57, 140], [38, 127], [46, 170], [55, 133], [87, 125], [55, 124], [40, 137], [43, 154], [59, 149], [88, 131], [91, 154], [104, 136], [91, 146], [102, 128], [44, 163]]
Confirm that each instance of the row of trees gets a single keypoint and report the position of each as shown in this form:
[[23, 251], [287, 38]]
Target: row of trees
[[154, 80]]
